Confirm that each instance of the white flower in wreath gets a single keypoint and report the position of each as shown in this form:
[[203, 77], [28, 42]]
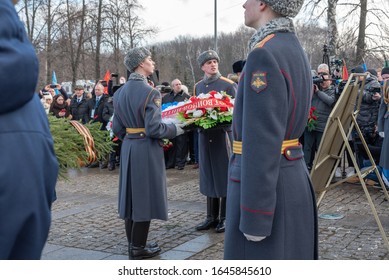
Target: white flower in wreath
[[109, 127], [213, 115], [204, 96], [218, 96], [197, 113]]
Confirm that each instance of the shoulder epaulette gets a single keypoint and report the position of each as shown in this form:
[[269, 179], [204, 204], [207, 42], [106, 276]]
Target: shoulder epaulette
[[264, 41], [227, 80], [194, 88]]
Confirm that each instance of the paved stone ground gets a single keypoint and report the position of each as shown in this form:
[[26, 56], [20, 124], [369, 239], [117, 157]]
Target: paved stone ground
[[86, 225]]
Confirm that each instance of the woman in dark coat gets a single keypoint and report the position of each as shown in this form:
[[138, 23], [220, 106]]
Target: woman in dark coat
[[142, 182], [60, 108]]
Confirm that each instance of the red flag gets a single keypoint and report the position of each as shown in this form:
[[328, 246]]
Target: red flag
[[344, 71], [107, 77]]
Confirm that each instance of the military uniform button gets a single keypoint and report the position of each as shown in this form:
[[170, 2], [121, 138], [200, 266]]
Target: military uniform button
[[288, 153], [210, 141]]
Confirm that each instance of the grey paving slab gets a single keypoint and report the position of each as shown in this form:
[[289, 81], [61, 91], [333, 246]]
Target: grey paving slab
[[85, 223], [68, 253], [174, 255]]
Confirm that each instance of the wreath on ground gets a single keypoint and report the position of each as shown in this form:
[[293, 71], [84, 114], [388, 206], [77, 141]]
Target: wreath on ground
[[76, 144]]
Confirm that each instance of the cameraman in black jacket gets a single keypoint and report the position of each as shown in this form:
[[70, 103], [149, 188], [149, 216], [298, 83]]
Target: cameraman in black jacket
[[368, 112]]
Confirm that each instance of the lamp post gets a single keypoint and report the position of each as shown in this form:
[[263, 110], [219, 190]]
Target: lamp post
[[215, 25]]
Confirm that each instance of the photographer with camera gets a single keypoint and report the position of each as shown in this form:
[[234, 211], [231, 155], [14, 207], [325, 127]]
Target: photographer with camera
[[322, 100], [50, 88], [368, 112]]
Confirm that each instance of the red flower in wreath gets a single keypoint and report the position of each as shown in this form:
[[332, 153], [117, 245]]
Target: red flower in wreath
[[312, 119]]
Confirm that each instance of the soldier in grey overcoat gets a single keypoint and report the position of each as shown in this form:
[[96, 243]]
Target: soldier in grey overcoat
[[271, 209], [29, 167], [383, 125], [142, 182], [213, 146]]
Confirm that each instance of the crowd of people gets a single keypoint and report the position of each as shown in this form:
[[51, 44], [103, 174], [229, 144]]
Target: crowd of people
[[254, 174], [372, 102]]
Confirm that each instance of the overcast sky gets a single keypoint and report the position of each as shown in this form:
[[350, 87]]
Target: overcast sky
[[191, 17]]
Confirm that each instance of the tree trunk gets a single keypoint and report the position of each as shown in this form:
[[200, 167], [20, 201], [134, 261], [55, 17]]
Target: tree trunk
[[98, 41], [332, 28], [361, 45], [49, 55]]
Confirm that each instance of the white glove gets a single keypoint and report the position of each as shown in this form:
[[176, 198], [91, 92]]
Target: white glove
[[179, 129], [254, 238], [381, 134]]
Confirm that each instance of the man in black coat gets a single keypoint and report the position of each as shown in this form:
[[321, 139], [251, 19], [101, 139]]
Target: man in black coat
[[95, 107], [79, 107], [29, 166], [177, 154]]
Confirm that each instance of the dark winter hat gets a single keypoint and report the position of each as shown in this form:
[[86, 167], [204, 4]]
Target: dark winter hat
[[207, 55], [357, 69], [135, 57], [385, 70], [286, 8], [237, 67], [373, 72]]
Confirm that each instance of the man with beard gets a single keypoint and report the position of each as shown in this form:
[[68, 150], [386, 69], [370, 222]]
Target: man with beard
[[177, 154]]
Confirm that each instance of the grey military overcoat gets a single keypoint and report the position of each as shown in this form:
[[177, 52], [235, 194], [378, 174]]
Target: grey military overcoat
[[383, 125], [213, 146], [142, 181], [269, 193]]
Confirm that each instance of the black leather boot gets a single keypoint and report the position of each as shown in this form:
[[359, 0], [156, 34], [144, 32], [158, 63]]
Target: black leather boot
[[139, 253], [138, 249], [211, 220], [128, 226], [221, 227]]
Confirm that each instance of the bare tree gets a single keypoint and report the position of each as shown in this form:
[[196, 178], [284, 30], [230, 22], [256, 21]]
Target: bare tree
[[75, 18], [99, 34], [30, 10], [134, 28], [332, 28], [361, 45]]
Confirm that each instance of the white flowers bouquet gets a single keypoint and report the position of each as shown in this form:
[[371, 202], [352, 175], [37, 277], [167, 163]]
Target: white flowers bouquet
[[204, 111]]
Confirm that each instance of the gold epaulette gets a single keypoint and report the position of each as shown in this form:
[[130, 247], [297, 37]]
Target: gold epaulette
[[264, 41], [227, 80]]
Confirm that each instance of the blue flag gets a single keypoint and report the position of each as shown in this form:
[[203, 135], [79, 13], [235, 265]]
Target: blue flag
[[54, 81], [364, 66]]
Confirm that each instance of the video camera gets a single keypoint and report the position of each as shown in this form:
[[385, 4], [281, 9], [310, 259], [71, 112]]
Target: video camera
[[317, 80]]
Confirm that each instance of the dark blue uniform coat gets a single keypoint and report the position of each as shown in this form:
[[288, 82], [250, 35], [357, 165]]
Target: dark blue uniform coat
[[383, 126], [29, 168], [142, 182], [213, 146], [268, 193]]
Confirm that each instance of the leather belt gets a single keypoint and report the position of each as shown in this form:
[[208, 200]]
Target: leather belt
[[237, 146], [131, 130]]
